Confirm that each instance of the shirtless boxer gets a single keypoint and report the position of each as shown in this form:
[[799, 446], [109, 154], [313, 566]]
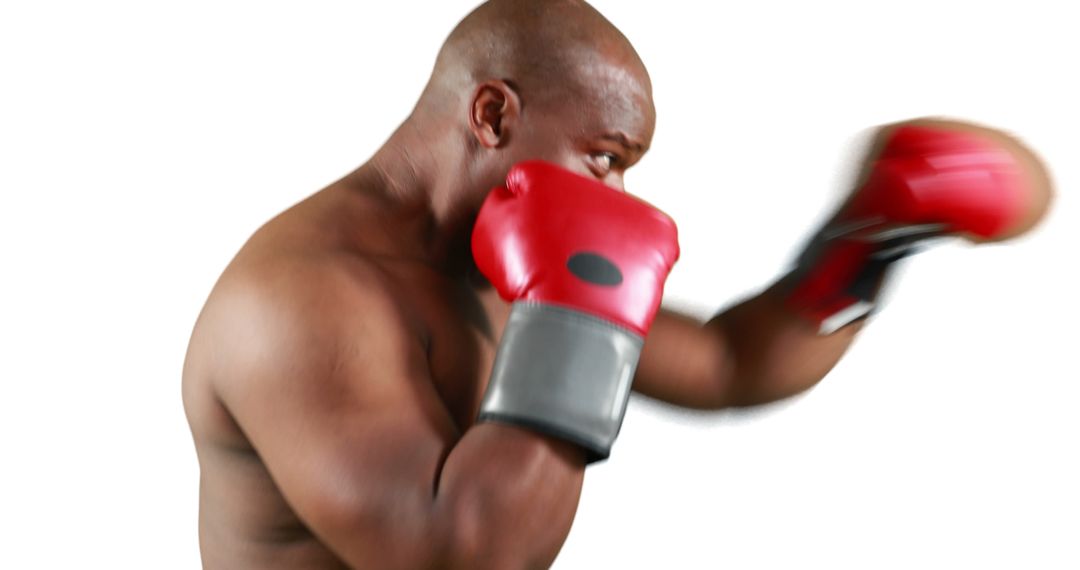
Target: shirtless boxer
[[336, 374]]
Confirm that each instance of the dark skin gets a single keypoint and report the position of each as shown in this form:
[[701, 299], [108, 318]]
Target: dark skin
[[335, 373]]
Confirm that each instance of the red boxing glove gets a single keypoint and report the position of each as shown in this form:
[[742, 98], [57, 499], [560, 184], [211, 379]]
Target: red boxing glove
[[552, 236], [927, 182], [584, 266]]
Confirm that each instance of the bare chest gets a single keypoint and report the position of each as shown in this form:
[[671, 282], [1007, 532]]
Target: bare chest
[[462, 331]]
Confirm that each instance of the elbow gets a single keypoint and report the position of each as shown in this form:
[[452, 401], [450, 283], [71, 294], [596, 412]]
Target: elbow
[[460, 544], [477, 531], [367, 536], [451, 532], [461, 537]]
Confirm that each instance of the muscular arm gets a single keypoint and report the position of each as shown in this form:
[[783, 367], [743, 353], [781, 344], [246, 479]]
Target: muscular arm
[[752, 353], [757, 351], [332, 389]]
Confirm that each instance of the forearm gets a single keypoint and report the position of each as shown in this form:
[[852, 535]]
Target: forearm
[[506, 498], [501, 497], [775, 353], [756, 351], [496, 497]]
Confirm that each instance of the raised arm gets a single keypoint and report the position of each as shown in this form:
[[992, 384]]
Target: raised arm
[[922, 179], [332, 389]]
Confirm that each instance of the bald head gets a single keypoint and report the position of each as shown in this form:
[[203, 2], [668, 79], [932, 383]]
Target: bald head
[[545, 49], [516, 80], [519, 80]]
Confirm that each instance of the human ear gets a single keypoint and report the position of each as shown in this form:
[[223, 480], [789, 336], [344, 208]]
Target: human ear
[[493, 111]]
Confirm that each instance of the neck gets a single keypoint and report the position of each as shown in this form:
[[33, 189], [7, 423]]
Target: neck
[[412, 184]]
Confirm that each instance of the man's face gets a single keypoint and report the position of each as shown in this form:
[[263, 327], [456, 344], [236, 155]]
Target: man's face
[[600, 129]]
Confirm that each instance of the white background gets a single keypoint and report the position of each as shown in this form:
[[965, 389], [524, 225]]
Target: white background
[[142, 142]]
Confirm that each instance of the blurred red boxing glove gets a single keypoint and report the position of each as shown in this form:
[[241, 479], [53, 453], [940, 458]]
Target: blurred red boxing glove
[[928, 181]]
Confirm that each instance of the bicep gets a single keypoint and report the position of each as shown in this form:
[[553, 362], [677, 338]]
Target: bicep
[[348, 427], [342, 411]]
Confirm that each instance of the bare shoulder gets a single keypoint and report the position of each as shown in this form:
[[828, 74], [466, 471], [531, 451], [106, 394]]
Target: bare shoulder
[[309, 327], [310, 362]]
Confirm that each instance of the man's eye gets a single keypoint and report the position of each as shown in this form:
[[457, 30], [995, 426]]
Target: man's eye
[[606, 160]]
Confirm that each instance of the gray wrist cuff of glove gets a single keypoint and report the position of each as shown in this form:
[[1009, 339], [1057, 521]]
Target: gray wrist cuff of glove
[[564, 373]]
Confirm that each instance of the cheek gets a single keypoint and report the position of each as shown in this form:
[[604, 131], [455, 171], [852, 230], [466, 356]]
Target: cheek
[[574, 162], [556, 150]]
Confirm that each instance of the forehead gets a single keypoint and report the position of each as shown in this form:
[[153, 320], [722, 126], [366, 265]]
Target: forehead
[[616, 95]]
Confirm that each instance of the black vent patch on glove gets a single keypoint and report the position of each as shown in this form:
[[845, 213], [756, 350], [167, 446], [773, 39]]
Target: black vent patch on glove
[[594, 268]]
